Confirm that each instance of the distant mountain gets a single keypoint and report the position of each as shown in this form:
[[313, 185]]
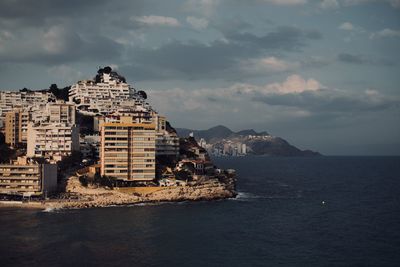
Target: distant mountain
[[211, 135], [258, 143], [217, 133]]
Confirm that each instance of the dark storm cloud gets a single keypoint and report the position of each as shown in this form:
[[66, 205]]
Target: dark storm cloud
[[18, 13], [353, 59], [362, 60], [283, 38], [61, 45], [331, 101], [88, 32], [56, 32], [221, 58]]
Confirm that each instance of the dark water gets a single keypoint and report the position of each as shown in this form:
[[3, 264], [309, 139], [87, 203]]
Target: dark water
[[278, 220]]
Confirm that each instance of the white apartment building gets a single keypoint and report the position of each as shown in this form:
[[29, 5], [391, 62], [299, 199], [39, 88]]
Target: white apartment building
[[52, 140], [61, 112], [10, 100], [105, 94]]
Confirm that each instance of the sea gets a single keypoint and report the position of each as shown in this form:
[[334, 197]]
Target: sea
[[316, 211]]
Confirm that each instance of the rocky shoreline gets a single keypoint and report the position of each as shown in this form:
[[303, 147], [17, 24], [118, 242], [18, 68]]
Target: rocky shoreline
[[79, 197]]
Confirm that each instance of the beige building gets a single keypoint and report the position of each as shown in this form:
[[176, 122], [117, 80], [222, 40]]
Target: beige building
[[61, 112], [128, 150], [16, 127], [12, 127], [28, 178], [52, 140]]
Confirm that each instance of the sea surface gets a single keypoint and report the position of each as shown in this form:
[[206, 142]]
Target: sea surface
[[322, 211]]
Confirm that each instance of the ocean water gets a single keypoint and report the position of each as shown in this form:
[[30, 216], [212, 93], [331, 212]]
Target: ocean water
[[325, 211]]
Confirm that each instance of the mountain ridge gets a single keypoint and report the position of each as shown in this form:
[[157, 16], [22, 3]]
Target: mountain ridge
[[258, 143]]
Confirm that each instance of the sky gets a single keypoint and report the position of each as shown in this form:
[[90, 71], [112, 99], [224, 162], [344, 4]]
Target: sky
[[323, 74]]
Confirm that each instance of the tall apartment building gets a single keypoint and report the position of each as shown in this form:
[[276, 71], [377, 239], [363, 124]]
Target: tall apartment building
[[12, 126], [52, 140], [26, 177], [128, 150]]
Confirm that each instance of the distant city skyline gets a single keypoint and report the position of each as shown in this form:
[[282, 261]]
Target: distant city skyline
[[322, 74]]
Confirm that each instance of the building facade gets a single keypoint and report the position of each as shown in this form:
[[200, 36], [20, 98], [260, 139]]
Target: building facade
[[27, 178], [128, 151], [16, 127], [52, 140]]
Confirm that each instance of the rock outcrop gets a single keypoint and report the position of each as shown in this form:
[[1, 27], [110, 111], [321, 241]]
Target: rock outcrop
[[87, 197]]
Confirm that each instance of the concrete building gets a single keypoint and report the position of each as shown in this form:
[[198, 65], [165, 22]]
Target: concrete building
[[12, 126], [27, 178], [103, 95], [167, 142], [128, 150], [61, 112], [16, 127], [10, 100], [52, 140]]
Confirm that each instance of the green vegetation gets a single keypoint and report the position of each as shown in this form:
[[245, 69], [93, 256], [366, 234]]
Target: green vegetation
[[62, 94]]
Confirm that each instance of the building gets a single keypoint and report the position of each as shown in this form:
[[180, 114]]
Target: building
[[10, 100], [12, 128], [90, 146], [128, 151], [202, 143], [16, 127], [106, 93], [27, 178], [52, 140], [167, 142], [61, 112]]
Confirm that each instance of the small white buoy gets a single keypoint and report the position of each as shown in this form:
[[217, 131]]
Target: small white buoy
[[323, 202]]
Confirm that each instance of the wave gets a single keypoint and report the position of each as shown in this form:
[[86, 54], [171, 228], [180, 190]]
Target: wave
[[50, 209], [247, 196]]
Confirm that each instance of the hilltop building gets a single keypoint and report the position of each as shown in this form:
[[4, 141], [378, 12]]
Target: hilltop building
[[106, 93]]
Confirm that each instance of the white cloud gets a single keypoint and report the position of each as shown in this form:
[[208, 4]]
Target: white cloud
[[197, 23], [329, 4], [238, 92], [347, 26], [267, 65], [154, 20], [385, 33], [293, 84]]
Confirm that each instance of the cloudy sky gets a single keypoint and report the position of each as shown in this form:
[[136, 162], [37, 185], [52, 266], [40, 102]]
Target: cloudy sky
[[323, 74]]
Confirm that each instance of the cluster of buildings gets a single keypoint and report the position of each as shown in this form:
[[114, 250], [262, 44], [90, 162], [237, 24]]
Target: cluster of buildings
[[126, 138], [225, 148]]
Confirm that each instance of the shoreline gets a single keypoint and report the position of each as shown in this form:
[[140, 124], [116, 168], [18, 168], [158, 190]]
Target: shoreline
[[103, 197]]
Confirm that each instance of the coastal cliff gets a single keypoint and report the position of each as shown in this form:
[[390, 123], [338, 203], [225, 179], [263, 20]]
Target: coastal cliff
[[78, 196]]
